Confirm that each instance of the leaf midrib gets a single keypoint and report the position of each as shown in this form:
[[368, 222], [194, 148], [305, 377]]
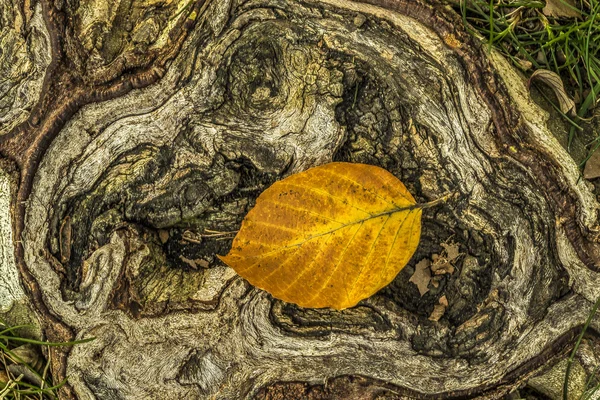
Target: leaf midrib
[[360, 221]]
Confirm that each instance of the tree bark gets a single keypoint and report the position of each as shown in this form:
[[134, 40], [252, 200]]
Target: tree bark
[[129, 129]]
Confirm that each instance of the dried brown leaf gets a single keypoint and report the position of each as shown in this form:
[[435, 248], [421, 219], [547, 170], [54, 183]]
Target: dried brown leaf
[[452, 251], [421, 276], [3, 378], [525, 64], [27, 354], [566, 104], [439, 309], [592, 166], [443, 301], [163, 235], [441, 265], [561, 9], [437, 313]]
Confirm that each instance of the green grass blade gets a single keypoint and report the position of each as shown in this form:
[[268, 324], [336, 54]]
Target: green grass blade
[[572, 357], [38, 342], [491, 22], [14, 328]]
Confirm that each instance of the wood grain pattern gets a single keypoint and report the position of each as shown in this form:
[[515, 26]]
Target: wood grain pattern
[[157, 122]]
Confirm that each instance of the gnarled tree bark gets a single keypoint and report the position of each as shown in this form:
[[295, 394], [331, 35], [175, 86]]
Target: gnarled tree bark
[[129, 128]]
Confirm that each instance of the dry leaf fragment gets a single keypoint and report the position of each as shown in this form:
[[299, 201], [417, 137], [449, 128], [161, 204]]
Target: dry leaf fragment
[[561, 8], [441, 265], [592, 166], [541, 58], [452, 251], [525, 64], [196, 263], [566, 104], [439, 309], [163, 235], [329, 236], [443, 301], [27, 354], [437, 313], [421, 276]]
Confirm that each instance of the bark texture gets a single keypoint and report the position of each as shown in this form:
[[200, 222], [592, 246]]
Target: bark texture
[[132, 127]]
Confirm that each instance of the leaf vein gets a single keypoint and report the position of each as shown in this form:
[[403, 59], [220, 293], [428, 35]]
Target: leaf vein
[[337, 264], [275, 226], [341, 200], [360, 221], [308, 268], [387, 258], [364, 187], [302, 209], [368, 255]]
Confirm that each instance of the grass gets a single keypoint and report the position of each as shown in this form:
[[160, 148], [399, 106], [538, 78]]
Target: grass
[[567, 46], [591, 388], [570, 47], [24, 374]]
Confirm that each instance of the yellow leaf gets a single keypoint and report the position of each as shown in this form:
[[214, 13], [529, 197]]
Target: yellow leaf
[[329, 236]]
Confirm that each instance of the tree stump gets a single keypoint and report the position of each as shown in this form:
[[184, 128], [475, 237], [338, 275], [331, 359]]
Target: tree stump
[[131, 129]]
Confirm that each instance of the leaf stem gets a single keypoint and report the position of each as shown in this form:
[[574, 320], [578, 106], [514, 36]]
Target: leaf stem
[[435, 202]]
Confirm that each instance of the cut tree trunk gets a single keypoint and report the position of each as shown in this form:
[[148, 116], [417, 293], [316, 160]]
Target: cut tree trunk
[[134, 129]]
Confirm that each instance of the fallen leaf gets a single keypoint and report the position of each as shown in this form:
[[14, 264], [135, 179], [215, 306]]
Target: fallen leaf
[[196, 263], [329, 236], [443, 301], [163, 235], [441, 265], [437, 313], [525, 64], [561, 8], [439, 309], [541, 58], [27, 354], [566, 104], [421, 276], [452, 251], [592, 166]]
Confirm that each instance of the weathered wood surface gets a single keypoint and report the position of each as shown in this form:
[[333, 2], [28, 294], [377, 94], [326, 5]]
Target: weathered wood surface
[[129, 128]]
